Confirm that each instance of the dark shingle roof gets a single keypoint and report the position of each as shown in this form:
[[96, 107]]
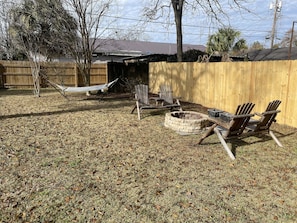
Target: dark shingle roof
[[273, 54], [138, 48]]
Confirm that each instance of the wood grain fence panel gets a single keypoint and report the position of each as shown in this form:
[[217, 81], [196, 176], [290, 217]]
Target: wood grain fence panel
[[160, 73], [60, 73], [234, 82], [289, 107], [18, 73], [225, 85], [98, 74], [270, 83], [200, 83], [162, 78], [280, 86], [179, 74], [263, 83], [218, 88], [190, 84]]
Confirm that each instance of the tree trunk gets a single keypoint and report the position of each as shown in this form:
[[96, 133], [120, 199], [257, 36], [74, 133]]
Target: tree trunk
[[35, 69], [178, 11]]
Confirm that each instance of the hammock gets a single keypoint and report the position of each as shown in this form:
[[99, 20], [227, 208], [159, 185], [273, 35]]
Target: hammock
[[102, 87]]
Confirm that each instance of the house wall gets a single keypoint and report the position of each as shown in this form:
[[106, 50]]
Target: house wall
[[224, 85]]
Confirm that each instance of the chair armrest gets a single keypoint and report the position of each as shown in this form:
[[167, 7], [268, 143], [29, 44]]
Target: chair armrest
[[271, 112], [136, 97], [253, 122], [156, 99], [258, 114], [242, 116]]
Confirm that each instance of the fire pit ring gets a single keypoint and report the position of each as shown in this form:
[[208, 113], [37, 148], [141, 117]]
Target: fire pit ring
[[186, 122]]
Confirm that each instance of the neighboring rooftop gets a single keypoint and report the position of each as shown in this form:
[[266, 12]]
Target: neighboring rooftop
[[273, 54], [139, 48]]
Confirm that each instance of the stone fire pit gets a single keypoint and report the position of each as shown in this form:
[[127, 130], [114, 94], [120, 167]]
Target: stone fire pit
[[186, 122]]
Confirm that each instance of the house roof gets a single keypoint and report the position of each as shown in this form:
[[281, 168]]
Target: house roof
[[273, 54], [139, 48]]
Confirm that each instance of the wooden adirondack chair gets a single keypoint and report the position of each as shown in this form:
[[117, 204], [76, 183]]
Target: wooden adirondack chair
[[166, 95], [262, 125], [231, 129], [143, 101]]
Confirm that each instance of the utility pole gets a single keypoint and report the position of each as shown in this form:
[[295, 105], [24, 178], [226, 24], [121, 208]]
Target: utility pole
[[291, 40], [277, 9]]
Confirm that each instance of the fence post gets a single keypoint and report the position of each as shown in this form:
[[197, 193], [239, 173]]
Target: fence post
[[2, 76], [75, 76]]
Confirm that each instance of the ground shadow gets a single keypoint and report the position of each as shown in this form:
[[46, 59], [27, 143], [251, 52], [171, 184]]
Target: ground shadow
[[69, 110]]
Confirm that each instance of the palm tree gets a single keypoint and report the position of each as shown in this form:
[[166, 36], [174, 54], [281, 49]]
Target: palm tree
[[224, 41], [239, 46]]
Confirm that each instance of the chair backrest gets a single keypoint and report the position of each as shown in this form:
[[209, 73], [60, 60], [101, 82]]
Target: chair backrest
[[244, 109], [141, 93], [166, 93], [268, 117], [273, 105], [239, 120]]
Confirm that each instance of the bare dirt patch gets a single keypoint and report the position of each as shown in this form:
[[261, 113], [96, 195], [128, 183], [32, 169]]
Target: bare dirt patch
[[92, 161]]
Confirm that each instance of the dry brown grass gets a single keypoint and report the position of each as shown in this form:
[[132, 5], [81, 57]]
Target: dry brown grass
[[93, 161]]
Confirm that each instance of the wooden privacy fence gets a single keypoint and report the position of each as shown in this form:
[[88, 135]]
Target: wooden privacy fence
[[224, 85], [18, 74]]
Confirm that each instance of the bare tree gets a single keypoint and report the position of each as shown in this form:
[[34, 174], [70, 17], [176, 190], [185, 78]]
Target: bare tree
[[7, 50], [89, 15], [213, 8], [256, 46], [290, 38]]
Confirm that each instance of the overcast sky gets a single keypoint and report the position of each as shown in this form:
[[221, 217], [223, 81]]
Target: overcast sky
[[255, 26]]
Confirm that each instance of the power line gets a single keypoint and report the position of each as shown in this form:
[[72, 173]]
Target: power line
[[246, 33], [173, 24], [184, 25]]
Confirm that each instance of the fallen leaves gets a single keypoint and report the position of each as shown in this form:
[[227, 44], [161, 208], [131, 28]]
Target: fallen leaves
[[88, 160]]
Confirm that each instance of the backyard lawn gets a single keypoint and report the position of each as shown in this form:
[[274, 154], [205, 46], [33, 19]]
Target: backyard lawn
[[90, 160]]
